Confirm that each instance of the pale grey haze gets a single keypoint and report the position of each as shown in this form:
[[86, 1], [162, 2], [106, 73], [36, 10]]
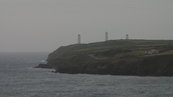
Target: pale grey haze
[[45, 25]]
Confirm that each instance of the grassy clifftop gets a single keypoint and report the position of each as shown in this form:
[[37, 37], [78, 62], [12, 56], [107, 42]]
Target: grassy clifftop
[[117, 57]]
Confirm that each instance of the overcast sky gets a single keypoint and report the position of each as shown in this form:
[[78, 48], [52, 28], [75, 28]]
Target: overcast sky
[[45, 25]]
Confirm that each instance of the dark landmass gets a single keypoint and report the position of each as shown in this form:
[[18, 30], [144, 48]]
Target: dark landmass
[[115, 57]]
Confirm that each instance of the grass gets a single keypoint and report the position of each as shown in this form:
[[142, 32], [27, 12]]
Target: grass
[[118, 48], [170, 52], [128, 54]]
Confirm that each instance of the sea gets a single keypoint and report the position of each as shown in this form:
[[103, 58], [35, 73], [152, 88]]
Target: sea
[[19, 78]]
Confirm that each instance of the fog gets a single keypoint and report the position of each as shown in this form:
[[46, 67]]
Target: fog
[[45, 25]]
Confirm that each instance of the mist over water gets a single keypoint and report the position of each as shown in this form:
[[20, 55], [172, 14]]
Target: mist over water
[[18, 78]]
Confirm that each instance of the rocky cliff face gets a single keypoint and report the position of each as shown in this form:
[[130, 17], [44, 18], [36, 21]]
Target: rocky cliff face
[[116, 57]]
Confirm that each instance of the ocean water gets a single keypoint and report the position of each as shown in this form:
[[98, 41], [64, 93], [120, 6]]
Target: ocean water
[[18, 78]]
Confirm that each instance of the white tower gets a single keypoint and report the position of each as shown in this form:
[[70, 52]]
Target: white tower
[[79, 39], [127, 37], [106, 36]]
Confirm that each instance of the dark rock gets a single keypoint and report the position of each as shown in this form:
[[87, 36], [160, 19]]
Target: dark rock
[[43, 66]]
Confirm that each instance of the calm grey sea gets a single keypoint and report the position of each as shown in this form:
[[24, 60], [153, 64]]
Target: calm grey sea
[[18, 78]]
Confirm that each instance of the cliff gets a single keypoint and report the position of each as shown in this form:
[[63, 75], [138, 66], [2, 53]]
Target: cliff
[[115, 57]]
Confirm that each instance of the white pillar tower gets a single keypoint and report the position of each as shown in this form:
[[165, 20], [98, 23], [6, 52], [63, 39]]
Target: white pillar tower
[[127, 37], [106, 36], [79, 39]]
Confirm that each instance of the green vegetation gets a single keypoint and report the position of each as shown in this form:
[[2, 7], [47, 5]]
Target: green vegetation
[[169, 52], [117, 57]]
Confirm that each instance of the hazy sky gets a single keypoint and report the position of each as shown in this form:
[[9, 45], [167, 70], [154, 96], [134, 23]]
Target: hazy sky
[[44, 25]]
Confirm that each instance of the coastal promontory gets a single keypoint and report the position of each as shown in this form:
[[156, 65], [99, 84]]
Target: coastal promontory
[[115, 57]]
